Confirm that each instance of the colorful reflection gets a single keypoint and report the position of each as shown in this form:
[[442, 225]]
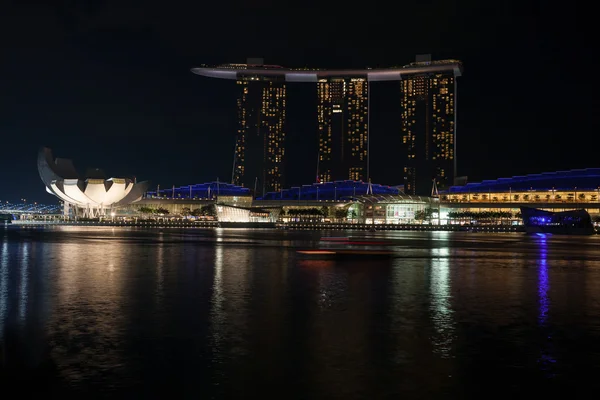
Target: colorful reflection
[[543, 282], [546, 359]]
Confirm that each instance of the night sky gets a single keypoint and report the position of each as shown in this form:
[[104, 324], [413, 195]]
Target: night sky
[[108, 83]]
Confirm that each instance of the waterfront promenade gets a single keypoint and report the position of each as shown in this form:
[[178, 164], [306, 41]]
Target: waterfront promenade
[[305, 226]]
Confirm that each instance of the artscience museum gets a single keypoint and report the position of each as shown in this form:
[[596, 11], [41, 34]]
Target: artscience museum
[[90, 195]]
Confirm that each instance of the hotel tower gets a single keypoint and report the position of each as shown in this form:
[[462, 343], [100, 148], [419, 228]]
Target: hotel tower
[[428, 121], [342, 111], [428, 124], [260, 142]]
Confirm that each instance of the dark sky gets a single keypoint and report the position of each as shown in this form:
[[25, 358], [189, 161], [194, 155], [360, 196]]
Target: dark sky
[[107, 83]]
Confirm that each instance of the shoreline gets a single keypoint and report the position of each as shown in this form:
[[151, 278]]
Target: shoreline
[[282, 226]]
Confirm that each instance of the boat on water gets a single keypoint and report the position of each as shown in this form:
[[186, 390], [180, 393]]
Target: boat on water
[[345, 254], [347, 248], [572, 222]]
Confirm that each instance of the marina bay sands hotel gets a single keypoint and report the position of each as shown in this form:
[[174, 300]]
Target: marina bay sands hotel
[[427, 122]]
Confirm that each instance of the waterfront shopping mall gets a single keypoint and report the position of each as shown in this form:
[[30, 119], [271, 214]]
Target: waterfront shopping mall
[[488, 202], [493, 201]]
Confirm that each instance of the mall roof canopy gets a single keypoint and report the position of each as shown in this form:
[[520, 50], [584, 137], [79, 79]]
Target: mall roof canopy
[[337, 190], [582, 179], [201, 191]]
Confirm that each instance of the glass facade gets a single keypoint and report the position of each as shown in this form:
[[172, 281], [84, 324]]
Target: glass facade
[[402, 213], [342, 112]]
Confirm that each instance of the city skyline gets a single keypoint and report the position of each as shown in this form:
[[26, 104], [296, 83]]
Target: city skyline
[[111, 85], [462, 261]]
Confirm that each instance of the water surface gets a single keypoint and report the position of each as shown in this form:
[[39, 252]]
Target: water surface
[[237, 313]]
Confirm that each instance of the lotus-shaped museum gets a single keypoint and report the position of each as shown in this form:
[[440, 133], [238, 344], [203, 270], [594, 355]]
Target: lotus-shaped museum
[[90, 195]]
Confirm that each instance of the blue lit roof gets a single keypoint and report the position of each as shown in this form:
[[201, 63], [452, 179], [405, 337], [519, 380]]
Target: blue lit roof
[[330, 191], [206, 190], [583, 179]]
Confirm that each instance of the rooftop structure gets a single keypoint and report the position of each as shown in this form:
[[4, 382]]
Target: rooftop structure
[[235, 71], [336, 190], [200, 191], [579, 179]]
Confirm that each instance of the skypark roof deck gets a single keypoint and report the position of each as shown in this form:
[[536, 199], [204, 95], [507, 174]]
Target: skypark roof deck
[[235, 71]]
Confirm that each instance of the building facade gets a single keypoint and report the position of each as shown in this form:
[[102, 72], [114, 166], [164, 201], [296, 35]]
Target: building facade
[[260, 142], [428, 125], [342, 111]]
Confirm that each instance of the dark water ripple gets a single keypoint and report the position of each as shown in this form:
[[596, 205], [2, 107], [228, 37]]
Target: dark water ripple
[[117, 312]]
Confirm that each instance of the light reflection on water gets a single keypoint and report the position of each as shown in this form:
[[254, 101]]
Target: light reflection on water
[[544, 283], [218, 313], [87, 323], [3, 286], [441, 308], [230, 313], [546, 359], [24, 278], [160, 273]]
